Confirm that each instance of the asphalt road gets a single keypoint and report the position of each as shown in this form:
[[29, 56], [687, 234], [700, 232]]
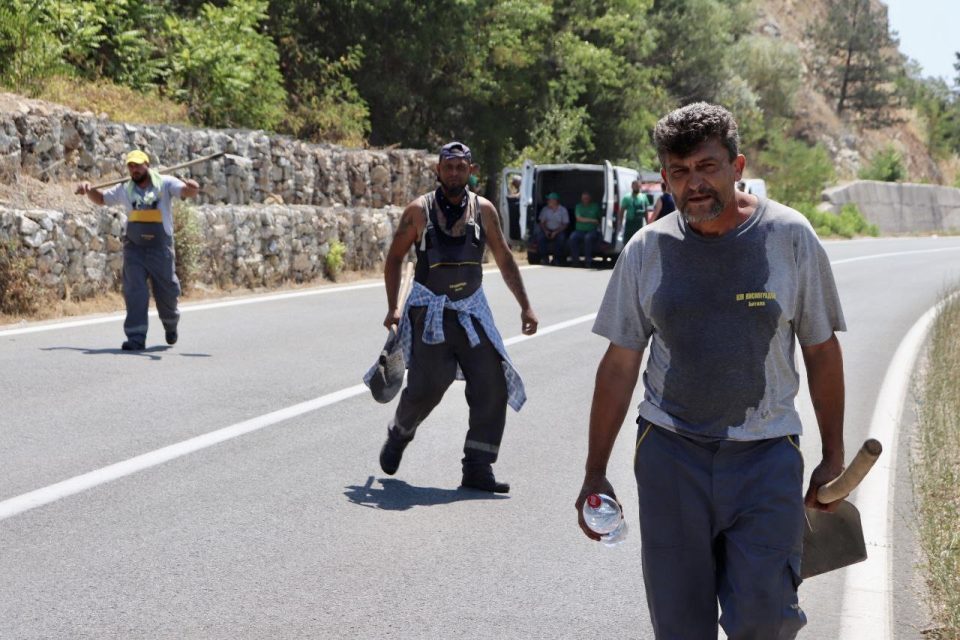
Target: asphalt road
[[291, 530]]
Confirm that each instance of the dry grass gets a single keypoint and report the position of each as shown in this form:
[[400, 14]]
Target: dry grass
[[937, 474], [119, 103]]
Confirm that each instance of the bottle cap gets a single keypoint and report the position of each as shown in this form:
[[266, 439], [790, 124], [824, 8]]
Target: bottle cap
[[593, 500]]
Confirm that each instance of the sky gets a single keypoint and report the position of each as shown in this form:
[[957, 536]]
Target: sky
[[929, 33]]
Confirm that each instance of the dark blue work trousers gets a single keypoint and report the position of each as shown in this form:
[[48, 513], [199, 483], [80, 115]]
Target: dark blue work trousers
[[720, 522], [156, 264]]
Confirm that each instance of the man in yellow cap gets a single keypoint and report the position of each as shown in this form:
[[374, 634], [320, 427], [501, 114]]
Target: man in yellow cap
[[148, 251]]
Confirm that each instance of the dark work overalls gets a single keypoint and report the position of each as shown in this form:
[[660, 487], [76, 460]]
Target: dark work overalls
[[148, 253], [452, 266]]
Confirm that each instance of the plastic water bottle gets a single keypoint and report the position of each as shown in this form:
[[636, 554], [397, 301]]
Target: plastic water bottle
[[602, 514]]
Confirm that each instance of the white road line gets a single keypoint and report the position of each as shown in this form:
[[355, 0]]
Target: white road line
[[48, 494], [206, 306], [78, 484], [894, 254], [867, 611], [547, 330]]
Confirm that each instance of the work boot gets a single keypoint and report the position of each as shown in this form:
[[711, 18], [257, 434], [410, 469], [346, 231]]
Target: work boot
[[481, 477], [171, 336], [130, 345], [391, 453]]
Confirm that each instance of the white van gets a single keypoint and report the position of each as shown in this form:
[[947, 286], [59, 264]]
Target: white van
[[756, 186], [608, 184]]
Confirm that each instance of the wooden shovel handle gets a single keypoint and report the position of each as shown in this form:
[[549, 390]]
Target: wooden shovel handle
[[841, 486], [182, 165], [406, 284]]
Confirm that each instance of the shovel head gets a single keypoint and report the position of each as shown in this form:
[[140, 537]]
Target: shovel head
[[390, 367], [832, 540]]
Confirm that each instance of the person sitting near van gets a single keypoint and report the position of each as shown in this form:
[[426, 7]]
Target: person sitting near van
[[633, 210], [552, 227], [664, 205], [586, 231]]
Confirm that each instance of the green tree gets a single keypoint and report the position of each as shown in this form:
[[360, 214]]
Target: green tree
[[29, 51], [693, 50], [856, 60], [117, 39], [773, 70], [506, 76], [938, 108], [795, 172], [327, 107], [886, 166], [224, 69]]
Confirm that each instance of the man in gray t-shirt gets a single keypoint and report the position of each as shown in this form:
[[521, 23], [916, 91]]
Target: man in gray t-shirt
[[720, 291]]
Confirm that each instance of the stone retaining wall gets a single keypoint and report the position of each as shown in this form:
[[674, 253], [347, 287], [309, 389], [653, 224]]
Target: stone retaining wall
[[51, 142], [81, 255], [900, 207]]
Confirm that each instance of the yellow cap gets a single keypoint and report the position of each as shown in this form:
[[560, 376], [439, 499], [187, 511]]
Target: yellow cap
[[137, 157]]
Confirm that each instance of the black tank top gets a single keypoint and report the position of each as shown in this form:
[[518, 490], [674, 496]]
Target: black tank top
[[451, 265]]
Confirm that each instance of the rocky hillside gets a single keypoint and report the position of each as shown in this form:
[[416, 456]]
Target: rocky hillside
[[816, 120]]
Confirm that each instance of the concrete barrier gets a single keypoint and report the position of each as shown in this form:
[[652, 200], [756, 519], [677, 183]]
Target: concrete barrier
[[900, 207]]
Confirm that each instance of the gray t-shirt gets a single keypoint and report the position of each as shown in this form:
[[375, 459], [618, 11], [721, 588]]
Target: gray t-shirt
[[554, 218], [170, 188], [720, 315]]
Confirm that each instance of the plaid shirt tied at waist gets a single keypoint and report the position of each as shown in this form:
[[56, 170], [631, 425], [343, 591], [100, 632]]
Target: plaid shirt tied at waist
[[473, 306]]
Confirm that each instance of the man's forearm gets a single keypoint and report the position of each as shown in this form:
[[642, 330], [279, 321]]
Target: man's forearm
[[511, 276], [613, 390], [824, 365], [391, 279]]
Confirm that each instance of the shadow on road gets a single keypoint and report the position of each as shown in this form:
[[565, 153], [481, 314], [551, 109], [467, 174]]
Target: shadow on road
[[150, 352], [397, 495]]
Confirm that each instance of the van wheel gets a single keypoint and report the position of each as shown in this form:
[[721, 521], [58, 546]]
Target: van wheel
[[533, 258]]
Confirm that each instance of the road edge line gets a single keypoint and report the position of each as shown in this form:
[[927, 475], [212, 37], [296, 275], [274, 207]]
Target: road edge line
[[867, 609]]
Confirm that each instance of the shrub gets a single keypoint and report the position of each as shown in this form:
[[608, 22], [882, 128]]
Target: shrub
[[29, 51], [188, 240], [886, 166], [329, 108], [795, 172], [225, 69], [19, 293], [334, 259], [848, 223]]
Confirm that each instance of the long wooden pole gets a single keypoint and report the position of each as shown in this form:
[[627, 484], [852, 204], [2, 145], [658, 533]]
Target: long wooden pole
[[174, 167]]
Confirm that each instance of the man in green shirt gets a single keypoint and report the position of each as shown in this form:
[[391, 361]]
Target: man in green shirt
[[633, 211], [586, 231]]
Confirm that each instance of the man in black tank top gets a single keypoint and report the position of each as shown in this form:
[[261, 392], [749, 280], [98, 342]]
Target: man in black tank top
[[447, 327]]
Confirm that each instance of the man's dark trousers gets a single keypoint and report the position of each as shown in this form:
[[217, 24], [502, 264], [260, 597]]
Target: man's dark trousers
[[720, 520], [158, 265], [431, 370]]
